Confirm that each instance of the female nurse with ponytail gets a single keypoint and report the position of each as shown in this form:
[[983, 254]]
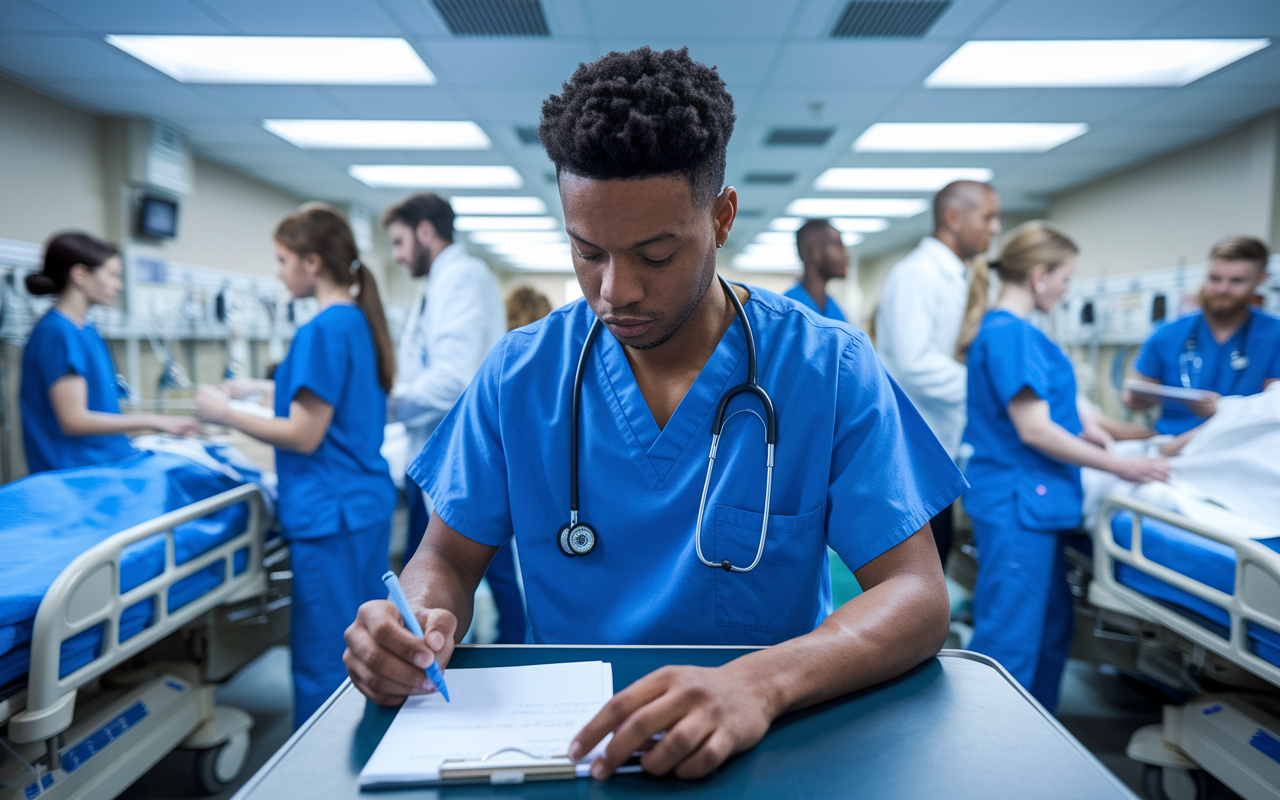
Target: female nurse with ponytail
[[335, 490], [1029, 441], [69, 397]]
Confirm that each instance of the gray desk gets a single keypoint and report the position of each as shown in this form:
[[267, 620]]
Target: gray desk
[[955, 727]]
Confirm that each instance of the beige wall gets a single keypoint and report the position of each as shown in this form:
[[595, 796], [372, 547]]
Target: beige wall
[[1171, 210]]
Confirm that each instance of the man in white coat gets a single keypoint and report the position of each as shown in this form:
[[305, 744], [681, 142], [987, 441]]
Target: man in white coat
[[449, 331], [921, 309]]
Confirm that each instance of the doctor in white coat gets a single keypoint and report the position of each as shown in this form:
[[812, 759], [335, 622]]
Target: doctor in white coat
[[922, 308], [449, 331]]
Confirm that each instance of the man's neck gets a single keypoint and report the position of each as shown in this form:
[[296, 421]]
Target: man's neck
[[816, 286], [1223, 326], [949, 239]]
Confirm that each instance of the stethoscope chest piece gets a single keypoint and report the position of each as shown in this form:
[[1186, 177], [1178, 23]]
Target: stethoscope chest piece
[[576, 539]]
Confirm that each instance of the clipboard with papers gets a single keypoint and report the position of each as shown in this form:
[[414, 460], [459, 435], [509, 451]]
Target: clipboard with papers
[[506, 725]]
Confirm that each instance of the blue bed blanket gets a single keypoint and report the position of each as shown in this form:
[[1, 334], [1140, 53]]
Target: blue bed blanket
[[51, 518], [1207, 561]]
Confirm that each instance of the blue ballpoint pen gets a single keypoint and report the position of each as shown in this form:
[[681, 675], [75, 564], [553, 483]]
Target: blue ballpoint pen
[[411, 622]]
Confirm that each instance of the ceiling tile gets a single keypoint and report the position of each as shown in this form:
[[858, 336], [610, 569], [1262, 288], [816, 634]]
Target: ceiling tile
[[504, 62], [797, 107], [1079, 105], [161, 100], [399, 102], [1218, 18], [955, 105], [70, 57], [742, 18], [19, 15], [1077, 19], [1197, 104], [288, 102], [1262, 67], [136, 16], [857, 63], [314, 18]]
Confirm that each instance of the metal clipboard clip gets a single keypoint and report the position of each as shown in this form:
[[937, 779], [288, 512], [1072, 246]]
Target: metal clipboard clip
[[504, 772]]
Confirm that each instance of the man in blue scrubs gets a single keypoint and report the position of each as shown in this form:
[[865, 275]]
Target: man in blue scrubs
[[824, 257], [639, 142], [1229, 348]]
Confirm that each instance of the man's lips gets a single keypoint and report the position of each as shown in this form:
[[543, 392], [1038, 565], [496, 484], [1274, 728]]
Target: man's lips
[[628, 326]]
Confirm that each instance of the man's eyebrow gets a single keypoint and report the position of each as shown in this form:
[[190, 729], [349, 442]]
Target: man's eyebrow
[[659, 238]]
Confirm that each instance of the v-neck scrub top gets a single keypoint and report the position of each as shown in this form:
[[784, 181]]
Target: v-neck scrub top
[[345, 485], [1160, 354], [56, 348], [855, 468]]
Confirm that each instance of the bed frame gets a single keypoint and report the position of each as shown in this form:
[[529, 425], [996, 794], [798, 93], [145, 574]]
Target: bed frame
[[1234, 737], [174, 705]]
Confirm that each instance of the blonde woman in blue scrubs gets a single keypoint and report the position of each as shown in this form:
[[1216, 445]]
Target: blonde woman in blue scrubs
[[1029, 442]]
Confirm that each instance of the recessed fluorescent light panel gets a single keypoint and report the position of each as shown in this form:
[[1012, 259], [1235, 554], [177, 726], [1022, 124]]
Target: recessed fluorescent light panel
[[776, 238], [756, 262], [505, 223], [379, 134], [856, 207], [896, 179], [1088, 63], [422, 176], [534, 251], [515, 237], [280, 59], [859, 224], [967, 137], [786, 223], [498, 205]]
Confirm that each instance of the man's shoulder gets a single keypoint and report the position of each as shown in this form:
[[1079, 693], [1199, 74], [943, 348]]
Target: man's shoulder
[[1175, 330], [799, 326], [1266, 323]]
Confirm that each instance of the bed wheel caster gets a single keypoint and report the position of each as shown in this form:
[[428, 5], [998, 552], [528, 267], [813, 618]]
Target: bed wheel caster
[[1175, 783], [217, 767]]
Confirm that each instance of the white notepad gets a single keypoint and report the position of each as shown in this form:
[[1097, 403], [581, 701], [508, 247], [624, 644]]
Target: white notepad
[[536, 709], [1160, 390]]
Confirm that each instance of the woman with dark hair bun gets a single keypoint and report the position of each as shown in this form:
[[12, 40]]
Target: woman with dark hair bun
[[330, 400], [70, 410]]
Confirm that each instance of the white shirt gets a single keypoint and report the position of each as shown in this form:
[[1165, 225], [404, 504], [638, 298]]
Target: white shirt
[[448, 333], [921, 310]]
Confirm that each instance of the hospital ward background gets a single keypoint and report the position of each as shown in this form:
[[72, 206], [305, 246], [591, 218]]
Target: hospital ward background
[[166, 168]]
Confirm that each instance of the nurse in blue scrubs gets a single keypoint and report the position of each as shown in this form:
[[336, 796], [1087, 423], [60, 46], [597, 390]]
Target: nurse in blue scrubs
[[1029, 441], [335, 490], [1229, 347], [824, 257], [639, 143], [69, 397]]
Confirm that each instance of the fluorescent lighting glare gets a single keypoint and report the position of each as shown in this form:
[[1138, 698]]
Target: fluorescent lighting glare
[[850, 239], [859, 224], [775, 238], [422, 176], [856, 207], [1088, 63], [280, 59], [786, 223], [498, 205], [379, 134], [749, 262], [525, 251], [505, 223], [967, 137], [896, 179], [515, 237]]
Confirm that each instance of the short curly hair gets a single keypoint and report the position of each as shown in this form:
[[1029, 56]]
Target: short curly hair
[[641, 114]]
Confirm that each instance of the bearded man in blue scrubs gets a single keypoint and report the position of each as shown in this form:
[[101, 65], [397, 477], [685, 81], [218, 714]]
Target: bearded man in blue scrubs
[[1228, 348], [639, 143]]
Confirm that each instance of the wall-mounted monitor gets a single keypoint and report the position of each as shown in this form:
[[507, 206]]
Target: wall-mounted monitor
[[157, 217]]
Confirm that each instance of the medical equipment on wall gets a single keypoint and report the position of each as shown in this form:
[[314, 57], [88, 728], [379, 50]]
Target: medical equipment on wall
[[577, 538]]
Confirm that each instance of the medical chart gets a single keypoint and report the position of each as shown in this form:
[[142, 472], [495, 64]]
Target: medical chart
[[535, 708]]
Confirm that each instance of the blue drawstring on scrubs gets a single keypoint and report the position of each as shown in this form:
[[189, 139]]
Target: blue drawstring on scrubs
[[1023, 503]]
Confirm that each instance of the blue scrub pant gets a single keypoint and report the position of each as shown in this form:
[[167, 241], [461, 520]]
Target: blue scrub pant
[[501, 573], [1022, 609], [332, 577]]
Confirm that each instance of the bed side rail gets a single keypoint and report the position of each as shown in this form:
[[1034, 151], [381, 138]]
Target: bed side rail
[[87, 593], [1255, 597]]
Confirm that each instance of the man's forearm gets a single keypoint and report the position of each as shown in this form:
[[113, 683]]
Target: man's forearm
[[888, 629], [431, 579]]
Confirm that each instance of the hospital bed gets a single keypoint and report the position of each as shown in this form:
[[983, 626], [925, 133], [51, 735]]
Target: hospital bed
[[111, 640], [1198, 609]]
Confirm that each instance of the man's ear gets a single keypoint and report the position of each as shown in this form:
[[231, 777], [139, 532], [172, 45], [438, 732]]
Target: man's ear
[[424, 233], [724, 213]]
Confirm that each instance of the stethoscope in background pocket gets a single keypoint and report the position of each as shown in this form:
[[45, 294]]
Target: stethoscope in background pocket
[[1190, 362], [577, 538]]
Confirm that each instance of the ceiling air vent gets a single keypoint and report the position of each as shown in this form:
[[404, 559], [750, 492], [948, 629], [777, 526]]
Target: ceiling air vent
[[799, 137], [873, 19], [527, 134], [493, 17], [774, 178]]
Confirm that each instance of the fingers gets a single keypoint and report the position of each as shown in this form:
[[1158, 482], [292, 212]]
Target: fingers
[[384, 659], [438, 627], [678, 744], [663, 715], [615, 712]]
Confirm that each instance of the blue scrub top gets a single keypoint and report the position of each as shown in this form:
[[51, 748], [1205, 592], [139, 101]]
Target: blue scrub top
[[57, 348], [856, 468], [345, 485], [1009, 355], [800, 295], [1160, 356]]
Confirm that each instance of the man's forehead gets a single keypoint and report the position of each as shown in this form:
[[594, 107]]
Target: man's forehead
[[626, 212]]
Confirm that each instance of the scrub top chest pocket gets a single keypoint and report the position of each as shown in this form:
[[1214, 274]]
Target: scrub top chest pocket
[[783, 594]]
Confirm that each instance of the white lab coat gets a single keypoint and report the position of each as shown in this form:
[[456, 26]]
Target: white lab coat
[[921, 310], [448, 333]]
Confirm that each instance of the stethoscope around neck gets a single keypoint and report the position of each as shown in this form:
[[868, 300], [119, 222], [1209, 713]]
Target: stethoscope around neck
[[577, 538], [1189, 360]]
